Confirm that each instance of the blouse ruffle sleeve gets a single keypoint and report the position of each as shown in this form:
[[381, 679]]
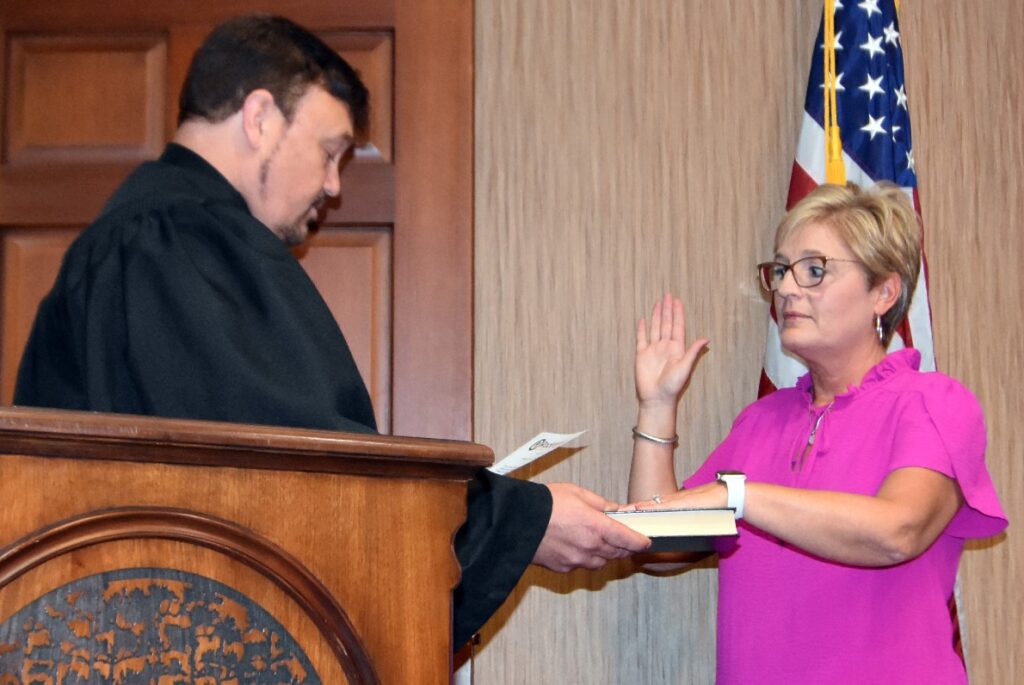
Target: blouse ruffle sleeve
[[945, 430]]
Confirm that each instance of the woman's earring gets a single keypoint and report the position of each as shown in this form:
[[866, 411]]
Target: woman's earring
[[878, 329]]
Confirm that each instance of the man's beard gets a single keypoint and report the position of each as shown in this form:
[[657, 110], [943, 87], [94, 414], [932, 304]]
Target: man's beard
[[305, 226], [293, 235], [296, 233]]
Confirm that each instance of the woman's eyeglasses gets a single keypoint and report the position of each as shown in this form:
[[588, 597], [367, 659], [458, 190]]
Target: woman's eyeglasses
[[807, 272]]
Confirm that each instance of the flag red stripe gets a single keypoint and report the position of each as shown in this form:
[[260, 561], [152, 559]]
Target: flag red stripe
[[800, 184]]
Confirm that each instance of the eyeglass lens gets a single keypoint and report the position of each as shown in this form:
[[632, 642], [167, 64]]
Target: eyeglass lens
[[807, 272]]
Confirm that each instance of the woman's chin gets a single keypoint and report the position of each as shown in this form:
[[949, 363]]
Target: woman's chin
[[795, 344]]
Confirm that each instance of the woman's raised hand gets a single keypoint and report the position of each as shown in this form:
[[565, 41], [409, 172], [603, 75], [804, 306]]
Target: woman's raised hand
[[663, 362]]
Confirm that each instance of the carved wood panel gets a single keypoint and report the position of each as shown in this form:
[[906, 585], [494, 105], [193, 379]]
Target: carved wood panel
[[136, 603]]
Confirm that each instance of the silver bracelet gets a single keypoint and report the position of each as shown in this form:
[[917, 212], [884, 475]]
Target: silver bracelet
[[654, 438]]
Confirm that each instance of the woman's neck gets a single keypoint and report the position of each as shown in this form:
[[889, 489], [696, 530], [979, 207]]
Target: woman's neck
[[836, 375]]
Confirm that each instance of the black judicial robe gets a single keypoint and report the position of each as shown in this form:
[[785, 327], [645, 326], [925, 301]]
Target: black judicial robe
[[177, 302]]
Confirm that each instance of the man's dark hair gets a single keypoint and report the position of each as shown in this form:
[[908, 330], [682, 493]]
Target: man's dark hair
[[262, 51]]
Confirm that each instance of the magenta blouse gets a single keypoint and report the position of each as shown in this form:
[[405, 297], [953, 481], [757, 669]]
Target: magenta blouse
[[786, 616]]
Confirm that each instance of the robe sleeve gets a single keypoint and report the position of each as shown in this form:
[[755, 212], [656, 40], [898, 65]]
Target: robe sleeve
[[505, 521]]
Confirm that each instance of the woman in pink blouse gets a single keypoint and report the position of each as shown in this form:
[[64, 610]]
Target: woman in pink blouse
[[856, 488]]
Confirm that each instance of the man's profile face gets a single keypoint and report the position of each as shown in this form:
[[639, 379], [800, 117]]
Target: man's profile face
[[302, 168]]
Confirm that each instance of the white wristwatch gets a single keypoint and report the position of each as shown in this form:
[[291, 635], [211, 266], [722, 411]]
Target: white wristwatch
[[736, 485]]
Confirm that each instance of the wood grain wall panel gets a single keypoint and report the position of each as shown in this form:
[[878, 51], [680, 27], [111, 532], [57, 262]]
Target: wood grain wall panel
[[31, 260], [343, 262], [625, 148], [95, 98], [965, 80], [622, 149]]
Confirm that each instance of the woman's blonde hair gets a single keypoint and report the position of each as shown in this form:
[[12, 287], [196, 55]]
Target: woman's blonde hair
[[880, 227]]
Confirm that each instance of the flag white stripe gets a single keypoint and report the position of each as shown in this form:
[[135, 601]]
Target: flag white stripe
[[920, 319], [782, 369]]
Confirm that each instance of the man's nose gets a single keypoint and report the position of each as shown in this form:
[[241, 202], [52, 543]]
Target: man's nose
[[332, 184]]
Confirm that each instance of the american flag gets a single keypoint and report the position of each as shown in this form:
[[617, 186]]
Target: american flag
[[874, 123]]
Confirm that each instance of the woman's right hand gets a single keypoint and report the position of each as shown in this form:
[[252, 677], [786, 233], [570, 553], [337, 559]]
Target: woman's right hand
[[663, 362]]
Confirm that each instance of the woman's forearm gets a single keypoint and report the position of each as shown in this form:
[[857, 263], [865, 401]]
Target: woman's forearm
[[895, 525], [653, 470], [903, 519]]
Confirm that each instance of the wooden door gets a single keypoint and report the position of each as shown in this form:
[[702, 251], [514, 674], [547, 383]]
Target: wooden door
[[90, 90]]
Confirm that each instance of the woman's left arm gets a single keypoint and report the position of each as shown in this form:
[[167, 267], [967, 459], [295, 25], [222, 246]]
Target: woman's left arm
[[901, 521]]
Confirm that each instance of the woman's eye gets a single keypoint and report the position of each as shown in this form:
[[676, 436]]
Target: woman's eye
[[779, 271], [816, 270]]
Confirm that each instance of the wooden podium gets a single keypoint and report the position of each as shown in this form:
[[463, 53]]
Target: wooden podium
[[144, 550]]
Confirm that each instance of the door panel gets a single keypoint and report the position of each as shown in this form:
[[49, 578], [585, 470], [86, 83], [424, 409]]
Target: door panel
[[120, 76], [342, 261], [31, 260]]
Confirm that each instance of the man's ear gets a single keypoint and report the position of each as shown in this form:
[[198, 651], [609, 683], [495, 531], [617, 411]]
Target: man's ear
[[260, 117], [888, 293]]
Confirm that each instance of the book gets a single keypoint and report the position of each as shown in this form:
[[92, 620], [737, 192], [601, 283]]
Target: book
[[680, 530]]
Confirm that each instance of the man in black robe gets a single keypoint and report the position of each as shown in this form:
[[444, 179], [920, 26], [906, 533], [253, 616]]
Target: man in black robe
[[183, 300]]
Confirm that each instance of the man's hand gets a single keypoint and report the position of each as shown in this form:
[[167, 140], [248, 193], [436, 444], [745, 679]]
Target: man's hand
[[581, 535]]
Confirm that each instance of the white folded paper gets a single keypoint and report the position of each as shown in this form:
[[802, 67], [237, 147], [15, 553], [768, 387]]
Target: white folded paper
[[536, 447]]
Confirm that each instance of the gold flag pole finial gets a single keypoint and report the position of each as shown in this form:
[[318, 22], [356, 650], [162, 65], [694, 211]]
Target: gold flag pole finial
[[835, 171]]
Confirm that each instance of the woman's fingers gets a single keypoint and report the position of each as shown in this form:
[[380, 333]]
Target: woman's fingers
[[669, 314], [678, 321], [656, 315], [641, 335]]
